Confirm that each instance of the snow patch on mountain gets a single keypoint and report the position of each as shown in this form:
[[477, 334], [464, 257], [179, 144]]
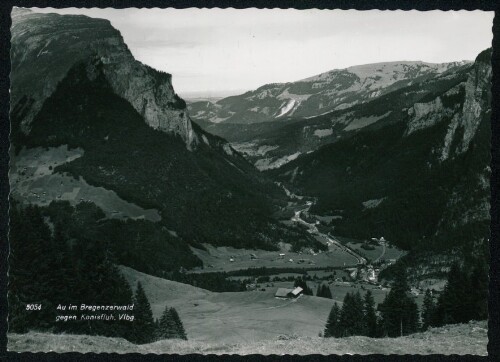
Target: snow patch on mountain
[[287, 108]]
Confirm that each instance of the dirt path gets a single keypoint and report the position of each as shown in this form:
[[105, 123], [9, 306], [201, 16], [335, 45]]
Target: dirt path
[[381, 255]]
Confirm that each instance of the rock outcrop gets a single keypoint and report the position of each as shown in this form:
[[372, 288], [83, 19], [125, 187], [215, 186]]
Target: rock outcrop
[[467, 103], [477, 98], [46, 46]]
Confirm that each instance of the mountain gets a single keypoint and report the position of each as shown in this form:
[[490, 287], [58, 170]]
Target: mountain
[[334, 90], [322, 109], [75, 84], [54, 43], [419, 179]]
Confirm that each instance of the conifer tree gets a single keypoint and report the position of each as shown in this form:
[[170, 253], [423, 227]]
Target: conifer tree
[[413, 323], [144, 325], [345, 318], [170, 325], [428, 310], [399, 311], [324, 291], [180, 331], [455, 304], [332, 324], [167, 326], [327, 293], [351, 316], [479, 282], [358, 325], [370, 317]]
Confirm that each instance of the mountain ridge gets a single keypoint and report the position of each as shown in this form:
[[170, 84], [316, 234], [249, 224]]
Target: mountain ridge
[[332, 90], [148, 90]]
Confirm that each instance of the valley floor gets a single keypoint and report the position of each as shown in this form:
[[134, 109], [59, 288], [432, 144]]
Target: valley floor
[[461, 339]]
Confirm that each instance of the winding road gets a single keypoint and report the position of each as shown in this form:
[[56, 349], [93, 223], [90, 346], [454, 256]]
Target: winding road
[[330, 240]]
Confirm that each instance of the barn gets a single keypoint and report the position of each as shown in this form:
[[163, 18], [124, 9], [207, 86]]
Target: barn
[[282, 293], [296, 292], [288, 293]]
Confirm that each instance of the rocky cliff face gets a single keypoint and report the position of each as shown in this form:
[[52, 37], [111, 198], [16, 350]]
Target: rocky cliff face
[[477, 99], [46, 46], [464, 105]]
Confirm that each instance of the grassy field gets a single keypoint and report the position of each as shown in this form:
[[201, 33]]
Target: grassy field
[[459, 339], [237, 317], [219, 258], [255, 322], [32, 180]]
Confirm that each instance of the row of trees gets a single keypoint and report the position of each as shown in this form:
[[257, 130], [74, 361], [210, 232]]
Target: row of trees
[[357, 317], [324, 291], [464, 298]]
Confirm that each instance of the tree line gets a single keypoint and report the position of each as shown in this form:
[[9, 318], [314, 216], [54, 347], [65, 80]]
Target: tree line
[[464, 298], [47, 267]]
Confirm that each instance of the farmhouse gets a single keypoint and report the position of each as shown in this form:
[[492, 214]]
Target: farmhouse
[[288, 293]]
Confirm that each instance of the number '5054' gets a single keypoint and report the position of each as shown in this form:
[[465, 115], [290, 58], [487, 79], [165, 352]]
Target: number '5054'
[[33, 307]]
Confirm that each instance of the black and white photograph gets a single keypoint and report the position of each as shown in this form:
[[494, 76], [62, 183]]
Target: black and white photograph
[[249, 181]]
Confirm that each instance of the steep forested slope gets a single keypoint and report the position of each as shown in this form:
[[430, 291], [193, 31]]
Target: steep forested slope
[[421, 181]]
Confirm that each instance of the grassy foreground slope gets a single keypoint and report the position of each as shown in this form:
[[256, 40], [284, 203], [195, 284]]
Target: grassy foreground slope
[[233, 317], [458, 339]]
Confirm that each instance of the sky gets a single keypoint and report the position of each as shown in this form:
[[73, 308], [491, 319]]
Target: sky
[[218, 52]]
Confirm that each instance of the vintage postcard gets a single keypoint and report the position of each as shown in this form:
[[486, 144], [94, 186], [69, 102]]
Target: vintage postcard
[[249, 181]]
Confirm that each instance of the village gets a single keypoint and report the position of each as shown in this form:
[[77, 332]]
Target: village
[[278, 272]]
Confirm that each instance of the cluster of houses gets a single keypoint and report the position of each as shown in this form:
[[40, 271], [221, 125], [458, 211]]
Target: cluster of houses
[[366, 273]]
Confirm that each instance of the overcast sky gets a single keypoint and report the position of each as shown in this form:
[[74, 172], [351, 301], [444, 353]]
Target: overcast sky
[[228, 50]]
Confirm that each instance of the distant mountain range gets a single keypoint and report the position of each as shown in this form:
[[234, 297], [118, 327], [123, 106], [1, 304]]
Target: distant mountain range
[[278, 122], [334, 90]]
